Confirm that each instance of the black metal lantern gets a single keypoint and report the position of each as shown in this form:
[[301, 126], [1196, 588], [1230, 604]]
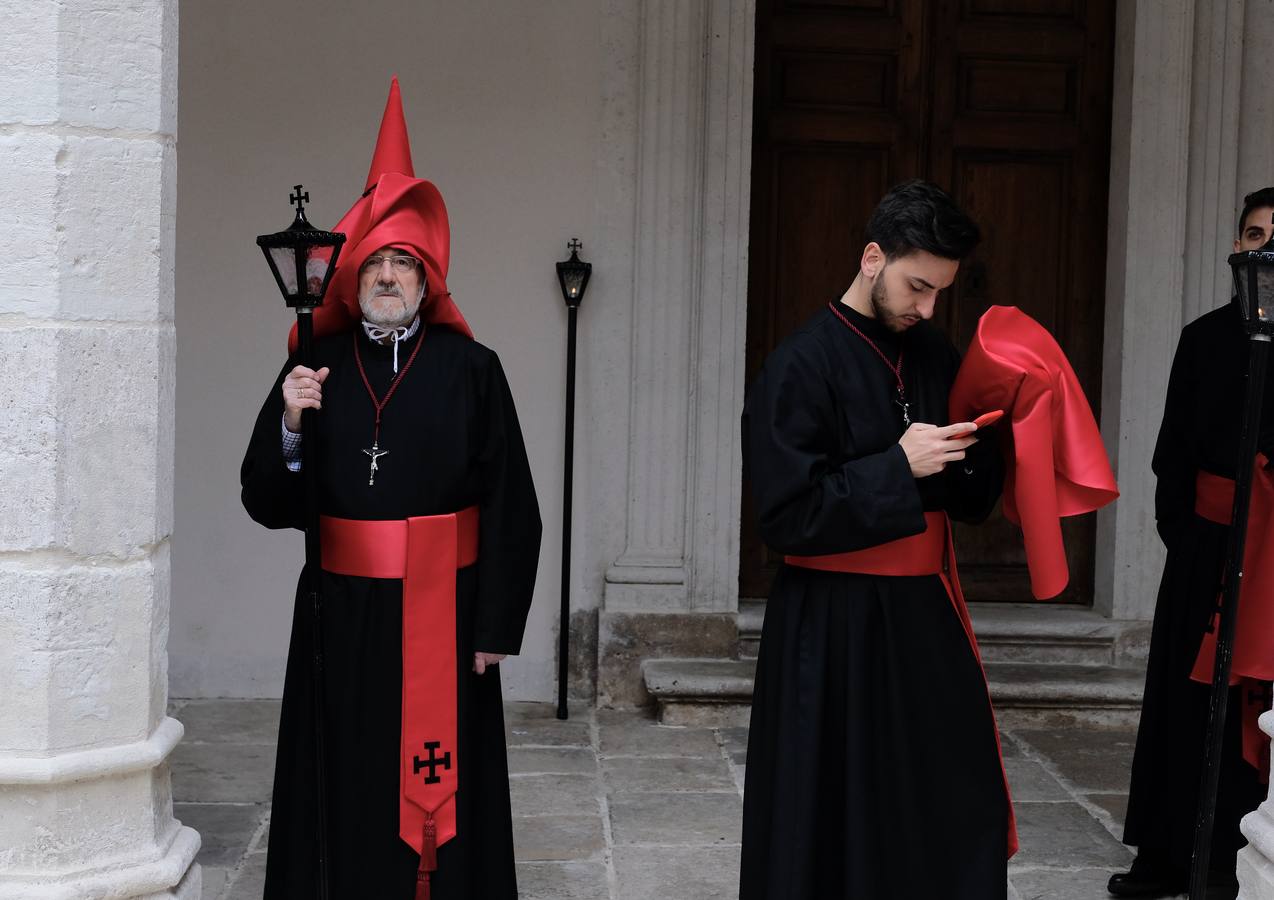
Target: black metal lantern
[[302, 258], [1254, 286], [572, 275]]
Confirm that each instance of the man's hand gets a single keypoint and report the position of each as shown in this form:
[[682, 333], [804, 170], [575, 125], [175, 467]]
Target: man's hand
[[302, 389], [482, 660], [929, 448]]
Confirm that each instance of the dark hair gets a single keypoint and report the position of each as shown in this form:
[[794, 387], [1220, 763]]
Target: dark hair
[[919, 215], [1255, 200]]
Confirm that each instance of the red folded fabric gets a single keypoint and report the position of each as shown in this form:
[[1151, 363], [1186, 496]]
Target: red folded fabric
[[1057, 465]]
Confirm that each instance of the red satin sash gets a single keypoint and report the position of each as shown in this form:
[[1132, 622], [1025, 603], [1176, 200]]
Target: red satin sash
[[929, 553], [1253, 660], [425, 552]]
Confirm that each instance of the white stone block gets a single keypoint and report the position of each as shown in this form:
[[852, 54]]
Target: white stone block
[[84, 659], [29, 242], [28, 78], [28, 439], [115, 404], [117, 65], [115, 210]]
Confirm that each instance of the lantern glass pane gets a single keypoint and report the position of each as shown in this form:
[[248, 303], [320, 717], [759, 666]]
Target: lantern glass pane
[[572, 281], [316, 265], [284, 261]]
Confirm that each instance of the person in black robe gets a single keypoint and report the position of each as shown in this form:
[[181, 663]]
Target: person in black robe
[[873, 765], [1200, 432]]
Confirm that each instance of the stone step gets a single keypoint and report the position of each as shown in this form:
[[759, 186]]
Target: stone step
[[718, 692], [1041, 633]]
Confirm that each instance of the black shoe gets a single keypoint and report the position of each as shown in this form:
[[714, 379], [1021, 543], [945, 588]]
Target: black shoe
[[1148, 880]]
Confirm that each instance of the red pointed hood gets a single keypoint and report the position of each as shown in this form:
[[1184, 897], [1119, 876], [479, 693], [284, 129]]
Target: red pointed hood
[[396, 209]]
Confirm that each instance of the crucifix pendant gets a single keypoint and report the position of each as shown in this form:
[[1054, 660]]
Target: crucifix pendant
[[375, 453], [901, 401]]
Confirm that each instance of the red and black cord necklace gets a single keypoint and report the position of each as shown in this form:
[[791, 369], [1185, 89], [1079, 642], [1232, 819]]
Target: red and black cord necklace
[[896, 368], [375, 452]]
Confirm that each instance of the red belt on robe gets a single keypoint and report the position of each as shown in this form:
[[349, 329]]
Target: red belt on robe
[[1253, 661], [425, 552], [929, 553]]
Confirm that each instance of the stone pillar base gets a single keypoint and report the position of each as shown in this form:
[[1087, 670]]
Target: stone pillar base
[[626, 638], [153, 880]]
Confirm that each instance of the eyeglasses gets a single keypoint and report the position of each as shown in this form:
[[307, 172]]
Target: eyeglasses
[[401, 264]]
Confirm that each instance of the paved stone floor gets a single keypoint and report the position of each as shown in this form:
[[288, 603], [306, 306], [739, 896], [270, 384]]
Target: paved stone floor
[[630, 810]]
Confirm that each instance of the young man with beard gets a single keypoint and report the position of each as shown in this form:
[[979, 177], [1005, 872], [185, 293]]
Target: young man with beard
[[873, 764], [430, 540], [1198, 443]]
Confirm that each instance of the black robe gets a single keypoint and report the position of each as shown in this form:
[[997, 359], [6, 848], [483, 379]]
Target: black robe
[[453, 439], [1200, 430], [873, 769]]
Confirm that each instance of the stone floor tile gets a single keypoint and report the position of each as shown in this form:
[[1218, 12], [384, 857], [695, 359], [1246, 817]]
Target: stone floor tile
[[524, 712], [214, 882], [549, 733], [1065, 835], [735, 743], [222, 773], [1044, 884], [1029, 781], [648, 739], [554, 795], [562, 881], [675, 873], [234, 721], [1008, 749], [558, 837], [1092, 759], [1115, 804], [635, 773], [552, 761], [249, 882], [226, 829], [676, 818]]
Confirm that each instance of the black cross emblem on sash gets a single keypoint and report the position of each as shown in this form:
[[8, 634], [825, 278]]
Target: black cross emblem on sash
[[432, 763]]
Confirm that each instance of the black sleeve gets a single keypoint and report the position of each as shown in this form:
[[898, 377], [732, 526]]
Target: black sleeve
[[809, 501], [272, 494], [510, 528], [1175, 464], [969, 488]]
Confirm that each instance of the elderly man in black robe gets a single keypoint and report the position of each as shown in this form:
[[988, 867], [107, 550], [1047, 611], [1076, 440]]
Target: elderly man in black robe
[[418, 431], [1199, 434], [873, 763]]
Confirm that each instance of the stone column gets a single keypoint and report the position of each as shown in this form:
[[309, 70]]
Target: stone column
[[87, 179], [1150, 165], [673, 591]]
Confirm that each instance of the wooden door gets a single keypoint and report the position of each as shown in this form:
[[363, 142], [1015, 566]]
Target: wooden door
[[1006, 103]]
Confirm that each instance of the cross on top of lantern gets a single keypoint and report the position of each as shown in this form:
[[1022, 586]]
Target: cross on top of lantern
[[302, 258], [573, 274], [1254, 286]]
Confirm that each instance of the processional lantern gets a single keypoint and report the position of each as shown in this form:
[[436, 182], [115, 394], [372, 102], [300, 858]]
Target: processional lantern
[[572, 276], [302, 258]]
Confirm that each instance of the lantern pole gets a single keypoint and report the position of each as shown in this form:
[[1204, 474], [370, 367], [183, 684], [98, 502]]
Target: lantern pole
[[1254, 395]]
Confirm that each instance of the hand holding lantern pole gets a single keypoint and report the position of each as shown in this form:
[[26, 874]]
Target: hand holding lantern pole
[[302, 259]]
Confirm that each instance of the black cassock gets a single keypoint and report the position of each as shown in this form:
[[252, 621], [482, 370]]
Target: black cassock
[[873, 770], [1200, 430], [453, 441]]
